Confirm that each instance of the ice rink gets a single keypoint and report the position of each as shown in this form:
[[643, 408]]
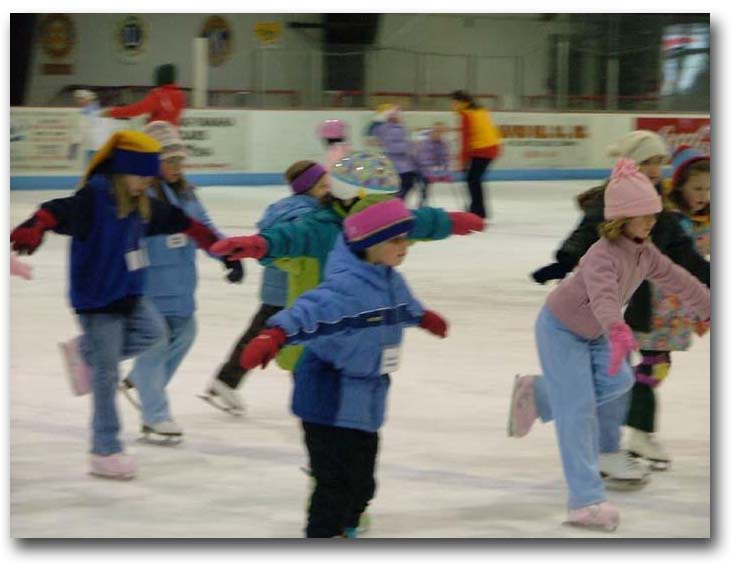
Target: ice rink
[[446, 468]]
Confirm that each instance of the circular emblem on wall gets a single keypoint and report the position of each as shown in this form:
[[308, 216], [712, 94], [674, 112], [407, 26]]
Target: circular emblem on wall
[[57, 35], [220, 39], [131, 38]]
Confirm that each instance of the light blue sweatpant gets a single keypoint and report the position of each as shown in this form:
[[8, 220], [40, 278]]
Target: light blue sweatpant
[[587, 404]]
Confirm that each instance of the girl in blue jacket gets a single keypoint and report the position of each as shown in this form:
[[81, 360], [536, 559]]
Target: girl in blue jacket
[[107, 219], [351, 326], [311, 190], [170, 285]]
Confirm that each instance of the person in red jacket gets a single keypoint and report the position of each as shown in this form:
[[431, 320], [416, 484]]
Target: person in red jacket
[[165, 102]]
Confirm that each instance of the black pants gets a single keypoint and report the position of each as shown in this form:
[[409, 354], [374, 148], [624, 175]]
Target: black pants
[[642, 411], [342, 462], [474, 176], [424, 188], [232, 372], [407, 181]]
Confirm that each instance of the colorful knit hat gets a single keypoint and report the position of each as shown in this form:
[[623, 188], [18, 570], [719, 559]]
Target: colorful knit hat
[[377, 223], [639, 146], [630, 193], [360, 173], [131, 152], [683, 157], [169, 137]]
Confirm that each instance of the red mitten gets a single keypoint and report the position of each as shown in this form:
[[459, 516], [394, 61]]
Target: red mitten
[[465, 222], [263, 348], [701, 327], [201, 235], [621, 344], [27, 237], [433, 322], [238, 247]]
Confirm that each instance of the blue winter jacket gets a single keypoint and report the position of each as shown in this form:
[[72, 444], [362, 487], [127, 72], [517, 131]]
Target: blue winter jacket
[[274, 279], [171, 278], [346, 324], [394, 140]]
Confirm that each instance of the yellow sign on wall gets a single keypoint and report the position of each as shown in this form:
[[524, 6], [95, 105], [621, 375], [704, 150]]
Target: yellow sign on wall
[[268, 32]]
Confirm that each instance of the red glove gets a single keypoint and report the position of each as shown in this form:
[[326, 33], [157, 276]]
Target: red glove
[[621, 344], [239, 247], [263, 348], [27, 237], [200, 234], [465, 222], [433, 322]]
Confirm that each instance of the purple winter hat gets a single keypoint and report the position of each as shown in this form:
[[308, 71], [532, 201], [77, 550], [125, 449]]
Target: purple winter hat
[[377, 223]]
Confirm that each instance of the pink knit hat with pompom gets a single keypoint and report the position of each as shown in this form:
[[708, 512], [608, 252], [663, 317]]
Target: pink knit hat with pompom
[[630, 192]]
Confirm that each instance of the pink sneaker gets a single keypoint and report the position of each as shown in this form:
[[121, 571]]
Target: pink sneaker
[[522, 413], [602, 516], [78, 371], [119, 466]]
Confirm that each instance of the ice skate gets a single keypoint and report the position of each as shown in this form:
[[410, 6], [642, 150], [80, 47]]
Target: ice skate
[[645, 445], [221, 396], [522, 412], [119, 466], [603, 517], [78, 371], [128, 391], [622, 472], [166, 433]]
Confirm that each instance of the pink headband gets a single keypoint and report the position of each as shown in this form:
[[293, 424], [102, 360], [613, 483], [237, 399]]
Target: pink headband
[[308, 178]]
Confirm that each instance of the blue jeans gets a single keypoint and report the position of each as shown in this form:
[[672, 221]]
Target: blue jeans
[[155, 367], [109, 339], [588, 405]]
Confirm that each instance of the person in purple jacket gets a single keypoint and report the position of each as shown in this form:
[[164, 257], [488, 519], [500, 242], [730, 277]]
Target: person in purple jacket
[[433, 160], [584, 343], [393, 137]]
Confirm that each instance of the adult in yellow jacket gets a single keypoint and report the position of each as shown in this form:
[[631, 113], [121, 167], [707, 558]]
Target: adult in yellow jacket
[[480, 145]]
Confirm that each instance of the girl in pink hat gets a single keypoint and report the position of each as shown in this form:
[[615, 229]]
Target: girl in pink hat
[[584, 343]]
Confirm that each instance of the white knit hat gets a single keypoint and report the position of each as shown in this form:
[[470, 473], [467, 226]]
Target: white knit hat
[[639, 146], [169, 137]]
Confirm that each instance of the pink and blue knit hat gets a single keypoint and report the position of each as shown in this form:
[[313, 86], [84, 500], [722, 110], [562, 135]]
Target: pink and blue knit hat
[[683, 157], [378, 223]]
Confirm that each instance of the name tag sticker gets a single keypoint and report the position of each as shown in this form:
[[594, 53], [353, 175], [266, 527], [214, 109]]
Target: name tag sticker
[[176, 240], [390, 359]]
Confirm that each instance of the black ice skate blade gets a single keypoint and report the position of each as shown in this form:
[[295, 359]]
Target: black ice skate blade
[[590, 527], [655, 465], [210, 400], [626, 485], [127, 393], [117, 478], [161, 439]]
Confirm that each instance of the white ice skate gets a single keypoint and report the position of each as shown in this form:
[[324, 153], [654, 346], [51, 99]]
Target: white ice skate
[[622, 472], [78, 371], [128, 391], [118, 466], [221, 396], [165, 433], [522, 412], [602, 516], [646, 445]]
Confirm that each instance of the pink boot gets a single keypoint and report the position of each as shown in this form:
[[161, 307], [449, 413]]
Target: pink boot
[[78, 371], [119, 466], [602, 516], [522, 413]]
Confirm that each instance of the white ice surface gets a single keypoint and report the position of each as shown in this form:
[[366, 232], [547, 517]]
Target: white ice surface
[[445, 468]]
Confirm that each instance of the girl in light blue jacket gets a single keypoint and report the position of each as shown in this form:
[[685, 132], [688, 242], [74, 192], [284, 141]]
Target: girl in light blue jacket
[[171, 285], [351, 326]]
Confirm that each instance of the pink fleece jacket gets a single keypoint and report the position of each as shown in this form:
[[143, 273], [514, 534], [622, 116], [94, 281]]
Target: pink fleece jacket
[[591, 300]]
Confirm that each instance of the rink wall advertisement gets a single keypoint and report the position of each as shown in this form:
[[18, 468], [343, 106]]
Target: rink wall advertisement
[[251, 147]]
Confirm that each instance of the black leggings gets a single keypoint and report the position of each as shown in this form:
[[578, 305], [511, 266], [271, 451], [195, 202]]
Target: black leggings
[[342, 462], [231, 373], [474, 176]]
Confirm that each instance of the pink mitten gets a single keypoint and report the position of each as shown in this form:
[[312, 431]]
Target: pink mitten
[[17, 268], [621, 344]]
